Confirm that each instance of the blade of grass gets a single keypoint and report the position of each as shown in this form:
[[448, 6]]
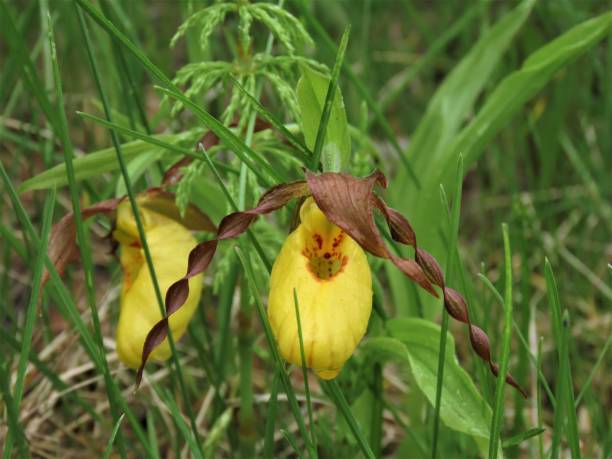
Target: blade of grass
[[559, 418], [523, 341], [137, 218], [216, 433], [247, 431], [194, 447], [152, 435], [453, 230], [154, 141], [376, 424], [498, 409], [337, 396], [521, 437], [303, 150], [14, 430], [11, 64], [268, 448], [598, 362], [304, 370], [30, 74], [129, 86], [82, 238], [329, 99], [12, 415], [224, 307], [28, 328], [111, 440], [8, 236], [565, 410], [291, 440], [539, 398]]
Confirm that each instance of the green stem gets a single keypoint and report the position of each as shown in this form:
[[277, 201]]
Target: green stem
[[498, 411], [453, 225]]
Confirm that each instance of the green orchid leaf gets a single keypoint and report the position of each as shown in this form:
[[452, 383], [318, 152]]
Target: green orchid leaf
[[311, 91], [91, 165], [416, 341]]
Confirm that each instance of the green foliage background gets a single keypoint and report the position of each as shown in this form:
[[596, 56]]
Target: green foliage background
[[519, 93]]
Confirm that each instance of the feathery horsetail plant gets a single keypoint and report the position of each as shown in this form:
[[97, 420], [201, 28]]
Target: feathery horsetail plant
[[337, 222], [251, 67], [249, 64]]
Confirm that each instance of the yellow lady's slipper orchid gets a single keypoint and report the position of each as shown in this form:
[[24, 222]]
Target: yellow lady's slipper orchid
[[169, 243], [332, 278]]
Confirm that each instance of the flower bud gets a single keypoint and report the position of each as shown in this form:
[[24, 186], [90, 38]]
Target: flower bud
[[331, 275], [169, 243]]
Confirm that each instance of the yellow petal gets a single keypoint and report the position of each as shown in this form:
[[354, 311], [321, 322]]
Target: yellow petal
[[331, 275], [169, 243]]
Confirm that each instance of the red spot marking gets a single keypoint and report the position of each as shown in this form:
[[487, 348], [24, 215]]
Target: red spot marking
[[337, 240], [327, 255], [319, 240], [136, 244]]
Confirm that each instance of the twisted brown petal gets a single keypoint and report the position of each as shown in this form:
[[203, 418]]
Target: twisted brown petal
[[454, 303], [62, 241], [232, 226]]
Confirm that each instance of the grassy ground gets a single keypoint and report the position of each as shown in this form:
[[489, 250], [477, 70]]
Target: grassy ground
[[519, 97]]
